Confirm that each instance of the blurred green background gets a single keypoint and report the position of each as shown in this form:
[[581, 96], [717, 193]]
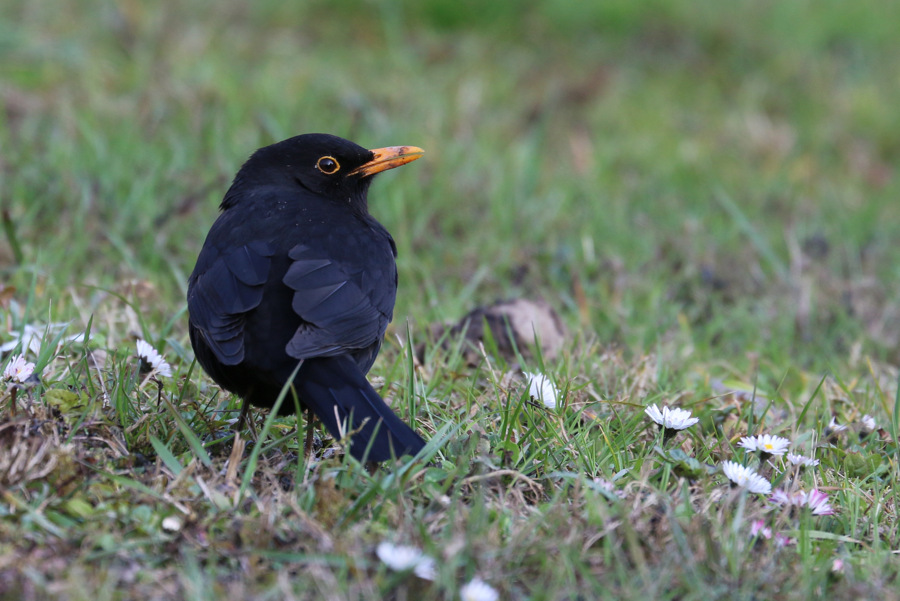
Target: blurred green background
[[720, 173]]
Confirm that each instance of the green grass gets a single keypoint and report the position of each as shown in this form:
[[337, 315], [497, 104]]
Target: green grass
[[706, 192]]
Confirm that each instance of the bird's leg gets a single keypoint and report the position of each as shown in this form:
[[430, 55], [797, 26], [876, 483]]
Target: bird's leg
[[245, 407], [310, 430], [242, 420]]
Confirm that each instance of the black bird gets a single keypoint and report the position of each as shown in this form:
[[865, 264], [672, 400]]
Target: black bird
[[296, 271]]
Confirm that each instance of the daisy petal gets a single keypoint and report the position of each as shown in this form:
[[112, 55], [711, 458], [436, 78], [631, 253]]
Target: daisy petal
[[153, 359], [18, 369], [540, 387], [478, 590], [746, 478]]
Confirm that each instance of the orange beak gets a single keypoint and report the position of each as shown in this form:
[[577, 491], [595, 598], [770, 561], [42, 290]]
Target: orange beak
[[388, 158]]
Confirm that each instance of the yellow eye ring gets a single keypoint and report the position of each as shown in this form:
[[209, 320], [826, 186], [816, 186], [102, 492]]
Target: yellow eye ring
[[328, 165]]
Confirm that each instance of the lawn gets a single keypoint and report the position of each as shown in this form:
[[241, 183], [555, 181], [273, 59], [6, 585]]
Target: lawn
[[705, 193]]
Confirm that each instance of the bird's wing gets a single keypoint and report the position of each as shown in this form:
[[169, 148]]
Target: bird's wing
[[227, 285], [344, 306]]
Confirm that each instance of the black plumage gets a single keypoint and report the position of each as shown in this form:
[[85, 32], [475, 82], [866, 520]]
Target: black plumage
[[296, 271]]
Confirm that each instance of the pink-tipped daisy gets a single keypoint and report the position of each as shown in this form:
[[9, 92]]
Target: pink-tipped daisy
[[609, 487], [783, 540], [18, 369], [783, 497], [815, 500], [759, 528]]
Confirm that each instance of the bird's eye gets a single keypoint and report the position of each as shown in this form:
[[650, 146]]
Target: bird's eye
[[327, 165]]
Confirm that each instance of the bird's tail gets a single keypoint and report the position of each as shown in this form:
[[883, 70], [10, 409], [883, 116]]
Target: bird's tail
[[337, 391]]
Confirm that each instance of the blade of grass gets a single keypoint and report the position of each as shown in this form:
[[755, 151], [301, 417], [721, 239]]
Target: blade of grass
[[190, 436], [163, 452], [10, 229]]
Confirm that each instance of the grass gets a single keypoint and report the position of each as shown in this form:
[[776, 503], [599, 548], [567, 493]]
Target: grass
[[706, 193]]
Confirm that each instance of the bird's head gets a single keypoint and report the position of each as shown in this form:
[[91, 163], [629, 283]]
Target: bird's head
[[330, 167]]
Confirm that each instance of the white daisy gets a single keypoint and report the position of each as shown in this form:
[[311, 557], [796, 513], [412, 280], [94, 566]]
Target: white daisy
[[745, 477], [834, 427], [868, 422], [671, 419], [171, 523], [747, 442], [655, 414], [18, 369], [153, 359], [802, 460], [401, 558], [478, 590], [31, 337], [765, 443], [540, 387], [425, 569], [759, 485]]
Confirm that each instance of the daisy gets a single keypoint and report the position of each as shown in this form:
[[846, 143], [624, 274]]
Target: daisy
[[171, 523], [783, 540], [541, 387], [766, 444], [815, 500], [18, 369], [759, 528], [401, 558], [425, 569], [834, 427], [151, 358], [671, 419], [478, 590], [746, 478], [868, 422], [31, 337], [802, 460], [609, 487], [782, 497]]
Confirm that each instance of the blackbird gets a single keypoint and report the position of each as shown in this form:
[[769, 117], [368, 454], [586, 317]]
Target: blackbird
[[295, 271]]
